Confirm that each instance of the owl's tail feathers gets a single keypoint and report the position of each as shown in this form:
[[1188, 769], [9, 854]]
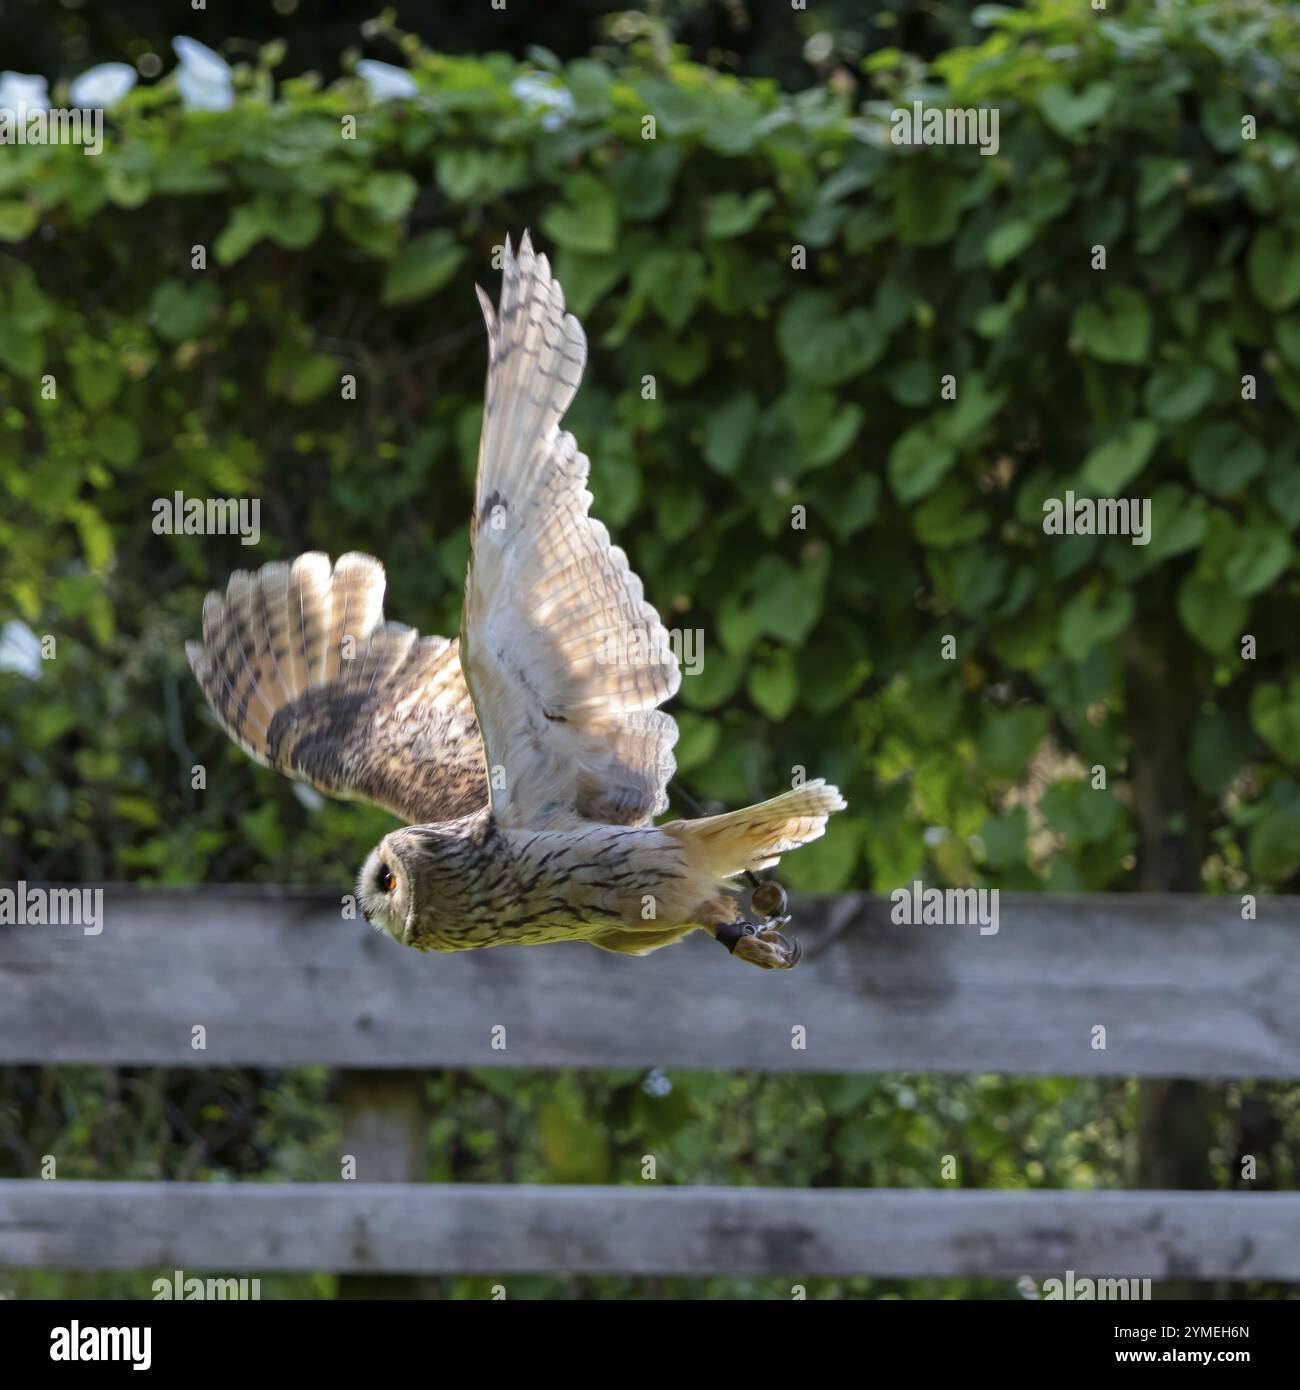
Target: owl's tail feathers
[[756, 837], [286, 631]]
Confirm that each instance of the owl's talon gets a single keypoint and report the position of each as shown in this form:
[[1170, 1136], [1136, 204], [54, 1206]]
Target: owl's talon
[[760, 945]]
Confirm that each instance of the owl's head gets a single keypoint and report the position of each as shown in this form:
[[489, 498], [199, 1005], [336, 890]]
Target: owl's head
[[409, 877]]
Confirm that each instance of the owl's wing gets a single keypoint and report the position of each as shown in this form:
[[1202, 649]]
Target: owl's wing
[[565, 660], [303, 673]]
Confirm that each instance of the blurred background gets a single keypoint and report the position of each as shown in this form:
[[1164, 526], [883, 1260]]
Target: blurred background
[[797, 488]]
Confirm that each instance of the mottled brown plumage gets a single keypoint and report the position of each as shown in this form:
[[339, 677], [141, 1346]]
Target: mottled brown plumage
[[531, 804], [391, 723]]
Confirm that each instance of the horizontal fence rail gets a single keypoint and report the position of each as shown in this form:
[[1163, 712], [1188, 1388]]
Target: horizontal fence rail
[[470, 1229], [1180, 985]]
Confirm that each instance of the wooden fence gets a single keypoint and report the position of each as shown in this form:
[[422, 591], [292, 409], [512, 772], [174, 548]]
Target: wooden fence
[[1181, 986]]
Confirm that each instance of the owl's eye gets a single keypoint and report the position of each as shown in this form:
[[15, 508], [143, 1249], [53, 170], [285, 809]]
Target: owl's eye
[[386, 879]]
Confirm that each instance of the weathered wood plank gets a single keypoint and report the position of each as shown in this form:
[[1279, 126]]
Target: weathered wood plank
[[385, 1129], [1181, 985], [446, 1228]]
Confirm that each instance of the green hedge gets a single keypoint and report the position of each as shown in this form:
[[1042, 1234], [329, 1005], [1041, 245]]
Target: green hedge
[[780, 394]]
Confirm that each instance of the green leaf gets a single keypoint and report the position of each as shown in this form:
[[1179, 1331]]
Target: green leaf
[[716, 681], [643, 179], [1275, 717], [1005, 840], [423, 266], [918, 462], [730, 214], [479, 174], [1210, 613], [850, 509], [1220, 745], [1178, 522], [1284, 489], [587, 279], [17, 220], [1010, 738], [841, 668], [238, 237], [1225, 458], [679, 509], [1177, 392], [1274, 268], [1085, 813], [292, 223], [117, 439], [387, 197], [374, 235], [1092, 616], [28, 307], [1008, 241], [773, 683], [734, 122], [1070, 113], [823, 427], [589, 84], [96, 383], [300, 374], [1262, 553], [672, 281], [21, 350], [615, 481], [574, 1145], [587, 221], [127, 188], [787, 601], [823, 344], [1274, 845], [728, 431], [181, 312], [1158, 176], [1110, 466], [1118, 332], [96, 537], [928, 202], [952, 516], [962, 422], [698, 737], [1288, 339]]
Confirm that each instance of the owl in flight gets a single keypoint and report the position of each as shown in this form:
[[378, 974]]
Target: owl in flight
[[529, 758]]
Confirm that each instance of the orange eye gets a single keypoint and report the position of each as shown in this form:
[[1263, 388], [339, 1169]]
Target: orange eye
[[386, 879]]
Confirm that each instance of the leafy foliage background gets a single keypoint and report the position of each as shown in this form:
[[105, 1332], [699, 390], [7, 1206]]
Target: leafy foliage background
[[776, 388]]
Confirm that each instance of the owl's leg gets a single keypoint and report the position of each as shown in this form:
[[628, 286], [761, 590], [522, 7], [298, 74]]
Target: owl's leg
[[760, 944]]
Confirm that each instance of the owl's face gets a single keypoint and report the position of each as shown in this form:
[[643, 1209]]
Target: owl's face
[[385, 891], [408, 880]]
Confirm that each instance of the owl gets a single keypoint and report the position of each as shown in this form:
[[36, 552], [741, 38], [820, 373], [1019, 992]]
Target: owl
[[530, 758]]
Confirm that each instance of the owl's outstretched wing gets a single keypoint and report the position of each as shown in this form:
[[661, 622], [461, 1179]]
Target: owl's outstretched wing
[[303, 673], [565, 660]]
